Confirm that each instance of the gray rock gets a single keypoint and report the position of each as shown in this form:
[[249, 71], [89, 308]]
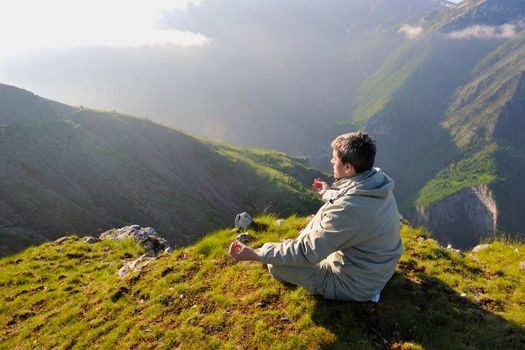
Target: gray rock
[[244, 237], [147, 237], [64, 239], [124, 270], [471, 211], [90, 239], [243, 221], [279, 222], [150, 231], [522, 265], [452, 249], [480, 247], [135, 265]]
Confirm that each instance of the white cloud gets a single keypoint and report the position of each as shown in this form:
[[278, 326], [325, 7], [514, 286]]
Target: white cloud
[[34, 24], [485, 32], [410, 32]]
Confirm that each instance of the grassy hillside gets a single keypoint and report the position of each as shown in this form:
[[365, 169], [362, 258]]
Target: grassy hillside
[[22, 107], [477, 105], [91, 170], [67, 296], [379, 88], [479, 169]]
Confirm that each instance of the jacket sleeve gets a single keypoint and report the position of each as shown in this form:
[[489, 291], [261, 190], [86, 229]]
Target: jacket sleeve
[[328, 194], [338, 228]]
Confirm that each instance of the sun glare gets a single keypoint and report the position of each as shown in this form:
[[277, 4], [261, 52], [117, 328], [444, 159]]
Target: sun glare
[[34, 24]]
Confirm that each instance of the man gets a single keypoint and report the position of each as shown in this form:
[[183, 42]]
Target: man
[[350, 249]]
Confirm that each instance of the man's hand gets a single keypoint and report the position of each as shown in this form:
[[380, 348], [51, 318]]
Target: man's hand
[[241, 252], [320, 186]]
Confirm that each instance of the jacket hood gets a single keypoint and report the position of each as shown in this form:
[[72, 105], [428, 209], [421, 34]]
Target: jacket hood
[[371, 183]]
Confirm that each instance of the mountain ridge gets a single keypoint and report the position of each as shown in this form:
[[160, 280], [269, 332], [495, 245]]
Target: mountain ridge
[[90, 170]]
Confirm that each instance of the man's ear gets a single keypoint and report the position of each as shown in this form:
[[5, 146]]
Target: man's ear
[[349, 169]]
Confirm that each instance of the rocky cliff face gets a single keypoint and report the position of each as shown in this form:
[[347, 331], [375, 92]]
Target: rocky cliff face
[[462, 218]]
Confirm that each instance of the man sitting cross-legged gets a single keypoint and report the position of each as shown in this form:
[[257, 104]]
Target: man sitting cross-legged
[[350, 249]]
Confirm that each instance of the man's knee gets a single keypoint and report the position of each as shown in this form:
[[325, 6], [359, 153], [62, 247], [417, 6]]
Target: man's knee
[[274, 271]]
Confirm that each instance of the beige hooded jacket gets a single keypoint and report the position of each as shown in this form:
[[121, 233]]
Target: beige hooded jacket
[[350, 249]]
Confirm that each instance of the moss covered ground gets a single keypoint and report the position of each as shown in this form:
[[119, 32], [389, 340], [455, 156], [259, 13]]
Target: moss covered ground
[[68, 296]]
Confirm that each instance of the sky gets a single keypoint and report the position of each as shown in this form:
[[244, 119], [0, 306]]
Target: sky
[[55, 24], [246, 72]]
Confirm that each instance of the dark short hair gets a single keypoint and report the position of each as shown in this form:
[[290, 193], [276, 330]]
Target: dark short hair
[[356, 148]]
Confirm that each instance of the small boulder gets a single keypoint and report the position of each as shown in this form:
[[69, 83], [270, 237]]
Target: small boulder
[[404, 220], [480, 247], [64, 239], [452, 249], [244, 237], [243, 221], [134, 265], [522, 265], [90, 239], [279, 222]]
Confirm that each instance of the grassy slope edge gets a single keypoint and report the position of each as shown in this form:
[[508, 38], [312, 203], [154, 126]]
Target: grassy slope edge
[[479, 169], [68, 296]]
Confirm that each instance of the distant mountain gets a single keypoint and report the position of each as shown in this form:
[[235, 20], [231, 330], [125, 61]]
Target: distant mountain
[[447, 109], [22, 107], [75, 170]]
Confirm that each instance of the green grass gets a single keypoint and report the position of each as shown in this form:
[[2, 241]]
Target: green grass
[[283, 179], [479, 169], [68, 296]]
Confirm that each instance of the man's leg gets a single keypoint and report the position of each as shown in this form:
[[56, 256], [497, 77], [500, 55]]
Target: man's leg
[[320, 279], [312, 278]]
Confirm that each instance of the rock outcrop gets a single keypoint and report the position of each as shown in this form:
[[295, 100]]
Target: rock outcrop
[[147, 237], [461, 219]]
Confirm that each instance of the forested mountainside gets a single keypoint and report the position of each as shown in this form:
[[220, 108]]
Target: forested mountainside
[[446, 107], [76, 170]]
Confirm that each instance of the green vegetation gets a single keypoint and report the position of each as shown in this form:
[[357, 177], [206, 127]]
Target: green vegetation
[[287, 179], [379, 88], [476, 106], [115, 170], [68, 296], [479, 169]]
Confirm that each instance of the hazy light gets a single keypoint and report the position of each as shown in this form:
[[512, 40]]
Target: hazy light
[[34, 24]]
